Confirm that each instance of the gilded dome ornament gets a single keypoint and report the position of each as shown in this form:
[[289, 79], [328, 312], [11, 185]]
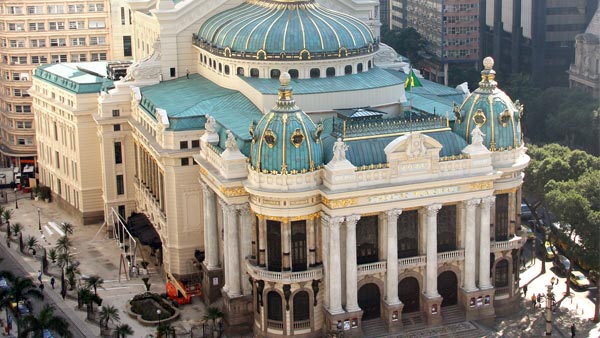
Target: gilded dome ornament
[[479, 118], [270, 138], [457, 115], [297, 138], [251, 131], [505, 117], [317, 133]]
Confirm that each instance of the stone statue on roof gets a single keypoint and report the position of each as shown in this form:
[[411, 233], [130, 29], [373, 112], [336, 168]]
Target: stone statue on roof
[[339, 150], [146, 69], [477, 136], [211, 124], [231, 143]]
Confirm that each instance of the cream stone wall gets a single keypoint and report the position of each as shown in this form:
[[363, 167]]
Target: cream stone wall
[[121, 18]]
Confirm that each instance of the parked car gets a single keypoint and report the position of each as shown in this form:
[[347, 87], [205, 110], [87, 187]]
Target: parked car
[[550, 250], [578, 280], [4, 284], [525, 211], [562, 263], [21, 308], [528, 232]]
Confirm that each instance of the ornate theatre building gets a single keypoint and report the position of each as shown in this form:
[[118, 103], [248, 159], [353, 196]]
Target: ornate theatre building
[[264, 134]]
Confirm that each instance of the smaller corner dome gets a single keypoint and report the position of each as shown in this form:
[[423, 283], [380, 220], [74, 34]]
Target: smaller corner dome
[[285, 140], [301, 28], [490, 108]]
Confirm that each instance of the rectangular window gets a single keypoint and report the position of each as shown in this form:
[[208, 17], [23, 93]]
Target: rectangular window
[[97, 40], [78, 57], [58, 58], [16, 26], [116, 112], [98, 57], [17, 43], [18, 60], [39, 59], [183, 144], [35, 9], [120, 185], [116, 127], [56, 9], [118, 153], [14, 10], [80, 41], [122, 15], [95, 7], [56, 25], [57, 159], [96, 24], [195, 143], [185, 161], [76, 24], [23, 109], [77, 8], [38, 43], [127, 50], [173, 72], [36, 26], [58, 42]]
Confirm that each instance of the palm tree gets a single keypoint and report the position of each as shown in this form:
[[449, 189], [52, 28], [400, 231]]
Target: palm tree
[[7, 215], [22, 289], [64, 244], [109, 314], [17, 228], [45, 320], [165, 330], [32, 243], [1, 212], [87, 297], [95, 281], [123, 330], [67, 228], [213, 314], [71, 272]]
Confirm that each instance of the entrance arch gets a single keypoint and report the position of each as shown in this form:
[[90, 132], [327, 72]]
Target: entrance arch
[[448, 287], [409, 294], [369, 300]]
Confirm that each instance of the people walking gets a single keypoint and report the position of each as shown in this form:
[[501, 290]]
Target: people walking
[[52, 281], [40, 276], [525, 290], [573, 330], [533, 300], [42, 287]]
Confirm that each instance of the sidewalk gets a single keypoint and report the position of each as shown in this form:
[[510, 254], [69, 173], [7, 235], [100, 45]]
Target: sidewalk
[[98, 255]]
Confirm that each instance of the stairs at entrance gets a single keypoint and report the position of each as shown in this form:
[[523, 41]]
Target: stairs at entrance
[[452, 314], [374, 328]]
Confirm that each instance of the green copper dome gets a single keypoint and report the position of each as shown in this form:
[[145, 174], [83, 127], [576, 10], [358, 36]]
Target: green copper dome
[[300, 29], [498, 117], [285, 140]]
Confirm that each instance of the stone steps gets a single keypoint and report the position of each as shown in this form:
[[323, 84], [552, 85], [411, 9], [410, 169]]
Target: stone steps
[[374, 328], [452, 314]]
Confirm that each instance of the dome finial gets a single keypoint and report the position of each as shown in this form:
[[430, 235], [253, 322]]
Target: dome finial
[[488, 63], [284, 79]]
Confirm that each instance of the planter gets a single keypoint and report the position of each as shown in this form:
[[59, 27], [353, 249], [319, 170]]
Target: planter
[[152, 302]]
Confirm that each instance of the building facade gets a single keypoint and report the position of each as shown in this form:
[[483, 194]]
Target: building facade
[[520, 33], [45, 32], [318, 199], [584, 73], [450, 27]]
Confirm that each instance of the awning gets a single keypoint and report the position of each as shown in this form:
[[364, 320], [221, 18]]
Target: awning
[[141, 228]]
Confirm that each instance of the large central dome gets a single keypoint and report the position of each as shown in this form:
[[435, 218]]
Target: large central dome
[[287, 29]]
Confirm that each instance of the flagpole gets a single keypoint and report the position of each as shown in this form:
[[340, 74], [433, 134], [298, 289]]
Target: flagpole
[[410, 99]]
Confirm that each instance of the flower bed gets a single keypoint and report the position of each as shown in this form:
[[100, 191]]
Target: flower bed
[[143, 307]]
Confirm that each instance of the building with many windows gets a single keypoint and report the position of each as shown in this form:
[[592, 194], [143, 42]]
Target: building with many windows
[[41, 32], [584, 73], [451, 28], [271, 155]]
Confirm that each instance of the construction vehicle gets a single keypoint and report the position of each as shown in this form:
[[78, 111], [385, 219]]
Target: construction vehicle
[[180, 292]]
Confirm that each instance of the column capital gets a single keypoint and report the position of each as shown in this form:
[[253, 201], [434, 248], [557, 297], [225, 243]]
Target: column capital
[[244, 209], [433, 209], [331, 221], [230, 209], [393, 212], [352, 220], [472, 202], [488, 200]]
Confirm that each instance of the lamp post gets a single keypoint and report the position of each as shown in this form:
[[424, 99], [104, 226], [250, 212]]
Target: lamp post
[[16, 200], [549, 301], [39, 221], [158, 312]]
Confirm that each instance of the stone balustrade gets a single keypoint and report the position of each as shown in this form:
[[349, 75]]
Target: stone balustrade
[[284, 277], [371, 268], [412, 262], [450, 256]]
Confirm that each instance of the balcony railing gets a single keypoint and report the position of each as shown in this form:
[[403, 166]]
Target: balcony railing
[[285, 277], [513, 243], [274, 324], [412, 262], [302, 324], [371, 268], [451, 256]]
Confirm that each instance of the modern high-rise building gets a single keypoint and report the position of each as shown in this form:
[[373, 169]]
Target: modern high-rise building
[[536, 37], [38, 32], [451, 28], [584, 73]]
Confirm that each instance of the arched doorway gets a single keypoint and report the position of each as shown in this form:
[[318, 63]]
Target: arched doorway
[[448, 288], [409, 294], [369, 300]]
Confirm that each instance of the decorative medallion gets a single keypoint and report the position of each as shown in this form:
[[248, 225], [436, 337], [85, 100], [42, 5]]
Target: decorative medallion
[[297, 138], [479, 118], [270, 138], [505, 117], [457, 115]]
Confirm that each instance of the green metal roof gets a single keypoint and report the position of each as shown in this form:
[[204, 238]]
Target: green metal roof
[[276, 27], [79, 78], [373, 78], [187, 101], [367, 152]]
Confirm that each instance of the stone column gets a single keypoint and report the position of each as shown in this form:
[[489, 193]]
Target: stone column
[[211, 250], [312, 251], [484, 243], [233, 247], [285, 245], [325, 257], [391, 297], [246, 245], [512, 214], [432, 265], [334, 261], [226, 262], [351, 266], [422, 231], [470, 245]]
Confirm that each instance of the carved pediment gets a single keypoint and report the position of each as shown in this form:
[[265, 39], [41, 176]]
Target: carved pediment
[[412, 153]]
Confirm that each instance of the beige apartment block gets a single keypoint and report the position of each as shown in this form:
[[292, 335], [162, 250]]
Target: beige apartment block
[[39, 32]]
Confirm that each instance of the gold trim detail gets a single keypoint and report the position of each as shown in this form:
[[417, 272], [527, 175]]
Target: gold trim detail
[[203, 171], [341, 203], [297, 138], [270, 138], [481, 185], [479, 118], [233, 192], [309, 217]]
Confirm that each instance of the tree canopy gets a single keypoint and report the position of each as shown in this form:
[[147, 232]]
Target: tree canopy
[[408, 42]]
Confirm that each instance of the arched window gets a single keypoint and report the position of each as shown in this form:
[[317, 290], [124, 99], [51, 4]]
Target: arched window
[[275, 73], [370, 64], [254, 72], [226, 70], [240, 71], [501, 274], [274, 306], [330, 72], [293, 73], [301, 306], [220, 68], [348, 70], [359, 68], [315, 73]]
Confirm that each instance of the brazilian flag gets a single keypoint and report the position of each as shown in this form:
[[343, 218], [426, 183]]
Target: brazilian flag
[[412, 81]]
